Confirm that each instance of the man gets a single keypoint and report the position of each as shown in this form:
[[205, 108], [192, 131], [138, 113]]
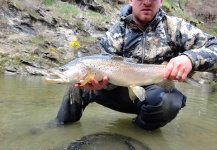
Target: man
[[150, 36]]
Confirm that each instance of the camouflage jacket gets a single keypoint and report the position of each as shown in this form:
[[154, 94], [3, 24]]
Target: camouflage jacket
[[164, 38]]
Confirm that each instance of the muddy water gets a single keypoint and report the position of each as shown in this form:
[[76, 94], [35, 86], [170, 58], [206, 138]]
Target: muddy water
[[28, 105]]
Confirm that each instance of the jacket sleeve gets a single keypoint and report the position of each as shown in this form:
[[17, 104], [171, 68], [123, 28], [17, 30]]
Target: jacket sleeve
[[200, 47], [205, 57], [112, 41]]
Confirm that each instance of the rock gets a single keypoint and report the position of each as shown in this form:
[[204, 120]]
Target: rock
[[11, 69], [21, 26], [36, 71], [88, 4], [204, 77], [114, 2]]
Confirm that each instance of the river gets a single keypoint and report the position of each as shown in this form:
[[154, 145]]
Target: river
[[28, 104]]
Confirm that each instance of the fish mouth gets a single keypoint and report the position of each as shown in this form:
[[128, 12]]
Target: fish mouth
[[56, 77]]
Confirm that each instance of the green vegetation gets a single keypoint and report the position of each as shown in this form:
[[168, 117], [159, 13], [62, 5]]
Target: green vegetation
[[16, 2], [215, 30], [175, 7], [69, 12], [33, 12], [87, 39], [185, 16], [38, 39], [50, 2], [2, 70], [97, 17], [64, 10], [2, 62], [169, 4], [75, 43]]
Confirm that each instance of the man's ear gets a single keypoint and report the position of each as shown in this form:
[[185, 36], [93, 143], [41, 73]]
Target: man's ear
[[130, 2], [161, 3]]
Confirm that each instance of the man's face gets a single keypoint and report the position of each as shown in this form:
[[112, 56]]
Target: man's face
[[145, 10]]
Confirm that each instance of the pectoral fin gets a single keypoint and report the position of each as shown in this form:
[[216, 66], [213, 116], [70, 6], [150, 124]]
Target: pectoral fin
[[136, 91], [87, 79]]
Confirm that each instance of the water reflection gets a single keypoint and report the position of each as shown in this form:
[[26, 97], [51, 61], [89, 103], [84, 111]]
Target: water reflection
[[28, 105]]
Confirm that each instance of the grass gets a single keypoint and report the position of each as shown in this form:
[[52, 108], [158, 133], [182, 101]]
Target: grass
[[207, 27], [33, 13], [65, 10], [50, 2], [169, 4], [16, 2], [97, 17], [38, 39], [214, 29], [88, 39], [186, 16]]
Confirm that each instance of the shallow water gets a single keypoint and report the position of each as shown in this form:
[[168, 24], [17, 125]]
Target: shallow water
[[28, 104]]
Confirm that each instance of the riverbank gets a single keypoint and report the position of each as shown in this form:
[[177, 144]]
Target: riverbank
[[37, 35]]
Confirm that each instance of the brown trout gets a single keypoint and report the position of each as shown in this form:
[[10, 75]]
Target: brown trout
[[120, 71]]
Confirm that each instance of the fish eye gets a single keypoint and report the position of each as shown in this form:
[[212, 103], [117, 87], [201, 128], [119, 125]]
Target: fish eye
[[62, 69]]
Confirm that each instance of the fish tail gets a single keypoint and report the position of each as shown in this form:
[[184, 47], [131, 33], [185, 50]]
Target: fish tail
[[193, 82]]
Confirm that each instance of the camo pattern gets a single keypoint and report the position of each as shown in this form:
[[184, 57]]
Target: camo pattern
[[164, 38]]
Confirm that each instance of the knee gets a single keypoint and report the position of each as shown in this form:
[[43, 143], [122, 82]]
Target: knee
[[152, 117], [171, 105]]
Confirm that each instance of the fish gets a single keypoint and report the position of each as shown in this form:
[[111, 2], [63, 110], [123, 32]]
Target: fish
[[120, 71]]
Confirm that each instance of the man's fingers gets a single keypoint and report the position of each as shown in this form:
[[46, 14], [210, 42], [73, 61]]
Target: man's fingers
[[94, 84], [184, 76], [168, 70], [104, 81], [178, 68], [100, 85], [173, 70]]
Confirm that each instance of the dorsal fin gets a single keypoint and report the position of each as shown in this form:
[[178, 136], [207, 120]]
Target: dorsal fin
[[165, 63], [115, 57], [120, 58]]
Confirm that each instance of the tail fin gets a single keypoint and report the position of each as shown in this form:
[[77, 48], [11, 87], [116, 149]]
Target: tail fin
[[192, 82]]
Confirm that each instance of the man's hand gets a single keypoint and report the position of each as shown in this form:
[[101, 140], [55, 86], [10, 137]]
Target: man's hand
[[94, 84], [178, 68]]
